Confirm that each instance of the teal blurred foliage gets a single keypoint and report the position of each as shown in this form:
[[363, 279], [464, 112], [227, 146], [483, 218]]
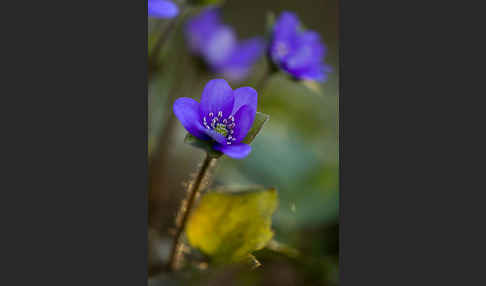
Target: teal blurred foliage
[[297, 151]]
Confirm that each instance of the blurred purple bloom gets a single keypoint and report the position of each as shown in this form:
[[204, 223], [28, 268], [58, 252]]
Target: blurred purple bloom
[[162, 9], [217, 44], [224, 116], [299, 53]]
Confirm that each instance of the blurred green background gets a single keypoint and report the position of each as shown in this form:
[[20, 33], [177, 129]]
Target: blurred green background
[[296, 152]]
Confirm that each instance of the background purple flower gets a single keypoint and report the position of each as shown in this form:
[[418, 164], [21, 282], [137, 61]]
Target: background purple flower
[[298, 52], [162, 9], [224, 116], [217, 44]]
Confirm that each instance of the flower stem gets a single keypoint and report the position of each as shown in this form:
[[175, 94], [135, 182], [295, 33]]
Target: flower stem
[[185, 210], [162, 39], [262, 82]]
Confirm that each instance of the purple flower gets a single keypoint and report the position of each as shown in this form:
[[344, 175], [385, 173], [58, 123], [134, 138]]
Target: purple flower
[[162, 9], [224, 116], [217, 44], [300, 53]]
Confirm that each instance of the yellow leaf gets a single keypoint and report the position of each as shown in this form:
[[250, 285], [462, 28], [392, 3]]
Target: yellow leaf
[[228, 224]]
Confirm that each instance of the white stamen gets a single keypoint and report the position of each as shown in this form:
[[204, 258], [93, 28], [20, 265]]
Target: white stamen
[[220, 114], [281, 49], [211, 114]]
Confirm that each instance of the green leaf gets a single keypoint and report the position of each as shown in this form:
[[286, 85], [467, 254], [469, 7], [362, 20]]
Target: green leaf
[[230, 223], [260, 119], [202, 144]]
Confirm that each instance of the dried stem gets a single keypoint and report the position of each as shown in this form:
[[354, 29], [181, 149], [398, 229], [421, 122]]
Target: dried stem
[[185, 210]]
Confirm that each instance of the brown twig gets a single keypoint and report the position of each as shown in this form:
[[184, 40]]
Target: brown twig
[[185, 210]]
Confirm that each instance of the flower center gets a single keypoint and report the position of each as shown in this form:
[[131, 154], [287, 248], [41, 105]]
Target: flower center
[[223, 126], [221, 129], [281, 50]]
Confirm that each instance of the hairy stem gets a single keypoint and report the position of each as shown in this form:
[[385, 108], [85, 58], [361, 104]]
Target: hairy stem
[[185, 211]]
